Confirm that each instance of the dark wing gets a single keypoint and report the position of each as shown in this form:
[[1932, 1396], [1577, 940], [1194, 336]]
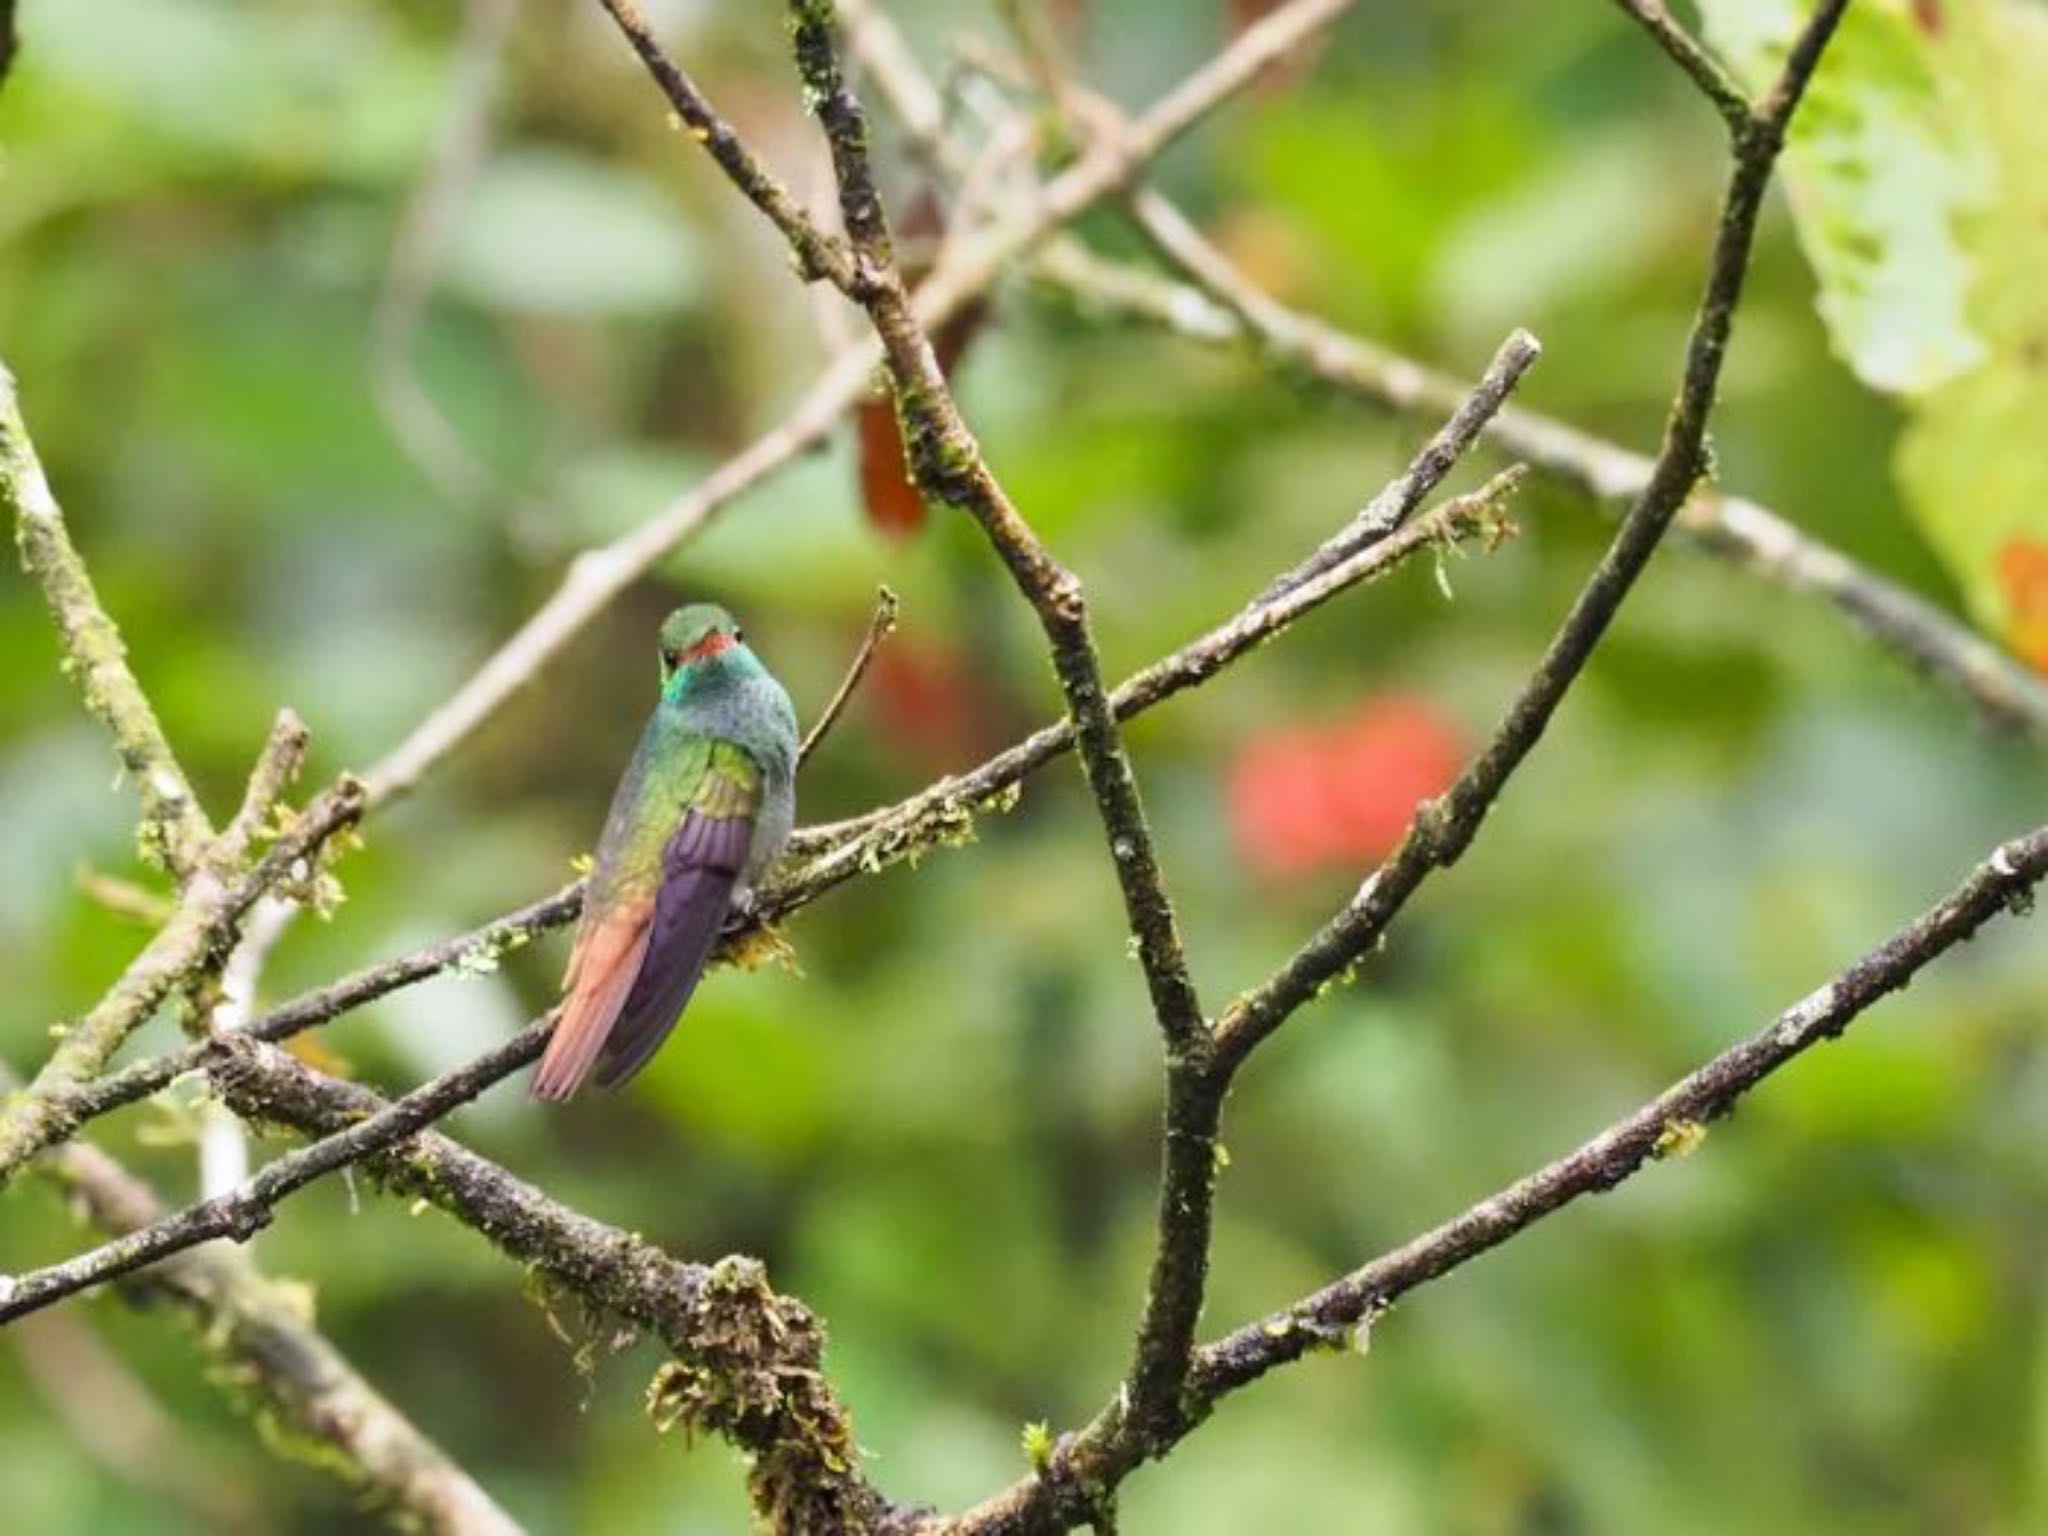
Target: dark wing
[[653, 915], [700, 866]]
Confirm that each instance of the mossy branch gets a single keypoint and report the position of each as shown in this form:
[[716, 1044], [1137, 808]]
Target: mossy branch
[[200, 933], [312, 1405], [175, 832]]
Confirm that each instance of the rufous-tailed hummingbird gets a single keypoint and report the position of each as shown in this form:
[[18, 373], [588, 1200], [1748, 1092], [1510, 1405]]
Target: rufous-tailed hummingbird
[[707, 801]]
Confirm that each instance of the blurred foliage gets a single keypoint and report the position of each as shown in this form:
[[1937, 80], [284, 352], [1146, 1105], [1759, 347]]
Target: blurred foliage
[[1919, 183], [1834, 1317]]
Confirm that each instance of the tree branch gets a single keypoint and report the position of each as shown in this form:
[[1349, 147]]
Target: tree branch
[[1397, 503], [244, 1211], [880, 627], [1441, 830], [1715, 83], [277, 766], [1091, 1463], [478, 949], [818, 254], [175, 831], [421, 429], [1224, 308], [930, 818], [949, 465], [256, 1330], [966, 270], [747, 1361], [203, 928], [2003, 882]]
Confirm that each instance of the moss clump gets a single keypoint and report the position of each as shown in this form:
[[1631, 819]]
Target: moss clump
[[747, 1370]]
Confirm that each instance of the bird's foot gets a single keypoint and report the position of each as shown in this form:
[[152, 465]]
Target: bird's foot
[[751, 944]]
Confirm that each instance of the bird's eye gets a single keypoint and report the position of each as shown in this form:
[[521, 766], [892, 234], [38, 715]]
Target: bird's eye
[[739, 635], [671, 659]]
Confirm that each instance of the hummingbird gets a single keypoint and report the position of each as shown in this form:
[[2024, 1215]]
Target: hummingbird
[[704, 806]]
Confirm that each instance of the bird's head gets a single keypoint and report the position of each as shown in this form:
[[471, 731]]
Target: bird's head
[[694, 635]]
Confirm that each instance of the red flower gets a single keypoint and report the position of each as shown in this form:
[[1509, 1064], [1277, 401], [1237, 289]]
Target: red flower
[[1308, 797]]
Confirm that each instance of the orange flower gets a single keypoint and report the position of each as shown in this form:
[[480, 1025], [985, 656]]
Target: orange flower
[[2023, 573]]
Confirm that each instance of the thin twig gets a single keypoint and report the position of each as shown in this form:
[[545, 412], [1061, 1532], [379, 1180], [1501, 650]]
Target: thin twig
[[256, 1331], [941, 812], [949, 467], [818, 254], [1715, 82], [597, 576], [244, 1207], [118, 1421], [125, 898], [223, 1139], [1442, 829], [175, 832], [1397, 503], [277, 766], [1104, 1452], [1225, 308], [746, 1359], [2001, 883], [475, 950], [966, 269], [880, 627], [245, 1210], [932, 817], [205, 926], [943, 454]]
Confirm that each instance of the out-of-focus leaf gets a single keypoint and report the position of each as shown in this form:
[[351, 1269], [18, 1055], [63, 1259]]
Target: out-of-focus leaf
[[1375, 192], [1919, 178], [1971, 463], [1585, 226], [893, 502], [208, 85], [551, 231], [1883, 173]]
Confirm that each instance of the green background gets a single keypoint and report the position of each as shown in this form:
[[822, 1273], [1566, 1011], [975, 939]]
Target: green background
[[942, 1135]]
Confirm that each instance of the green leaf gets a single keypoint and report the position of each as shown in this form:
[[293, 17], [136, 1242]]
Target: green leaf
[[560, 233], [211, 87], [1918, 172], [1971, 460], [1884, 173]]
